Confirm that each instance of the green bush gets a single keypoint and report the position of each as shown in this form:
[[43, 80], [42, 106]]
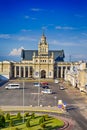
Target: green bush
[[15, 128], [42, 119], [2, 121], [7, 116], [19, 115], [26, 114], [11, 123], [45, 117], [28, 123], [43, 125], [33, 115], [1, 112]]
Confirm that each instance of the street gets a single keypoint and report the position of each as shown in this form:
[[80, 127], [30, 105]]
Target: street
[[69, 95]]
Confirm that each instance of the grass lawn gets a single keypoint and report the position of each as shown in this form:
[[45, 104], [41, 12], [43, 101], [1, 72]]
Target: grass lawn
[[50, 123]]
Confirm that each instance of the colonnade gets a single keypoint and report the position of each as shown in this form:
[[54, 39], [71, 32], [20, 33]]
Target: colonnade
[[27, 71], [22, 71]]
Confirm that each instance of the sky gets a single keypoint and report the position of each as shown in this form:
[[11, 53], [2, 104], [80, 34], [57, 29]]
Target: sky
[[64, 23]]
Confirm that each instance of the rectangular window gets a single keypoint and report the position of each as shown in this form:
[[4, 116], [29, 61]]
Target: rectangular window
[[49, 73]]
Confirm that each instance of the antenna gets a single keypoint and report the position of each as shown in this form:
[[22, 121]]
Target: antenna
[[43, 30]]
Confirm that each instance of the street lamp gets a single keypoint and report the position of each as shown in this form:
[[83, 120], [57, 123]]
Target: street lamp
[[23, 101], [39, 85], [55, 97], [39, 91]]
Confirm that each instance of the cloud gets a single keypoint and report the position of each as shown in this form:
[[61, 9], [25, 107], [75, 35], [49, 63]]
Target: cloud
[[79, 15], [5, 36], [24, 38], [35, 9], [26, 30], [79, 57], [61, 43], [16, 52], [44, 28], [64, 28], [75, 57], [26, 17], [84, 34]]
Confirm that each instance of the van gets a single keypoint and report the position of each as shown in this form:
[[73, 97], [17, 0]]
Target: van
[[12, 86]]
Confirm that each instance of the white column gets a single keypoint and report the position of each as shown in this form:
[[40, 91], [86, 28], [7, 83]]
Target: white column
[[61, 72], [57, 72], [28, 71], [15, 71], [19, 71], [65, 73], [24, 71]]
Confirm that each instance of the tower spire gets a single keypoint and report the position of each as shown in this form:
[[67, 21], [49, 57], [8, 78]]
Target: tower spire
[[43, 38]]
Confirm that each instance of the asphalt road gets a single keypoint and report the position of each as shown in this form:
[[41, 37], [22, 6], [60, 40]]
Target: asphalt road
[[15, 98]]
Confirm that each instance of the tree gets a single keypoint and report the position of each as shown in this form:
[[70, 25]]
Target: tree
[[26, 114], [2, 121], [19, 115], [11, 123], [7, 116], [33, 115], [43, 125], [28, 123]]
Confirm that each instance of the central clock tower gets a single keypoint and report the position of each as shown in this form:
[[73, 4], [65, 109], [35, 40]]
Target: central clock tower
[[43, 46]]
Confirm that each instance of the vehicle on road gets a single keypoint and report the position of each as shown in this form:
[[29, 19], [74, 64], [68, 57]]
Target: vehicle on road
[[45, 87], [56, 81], [44, 83], [70, 107], [47, 91], [36, 84], [12, 86], [61, 88]]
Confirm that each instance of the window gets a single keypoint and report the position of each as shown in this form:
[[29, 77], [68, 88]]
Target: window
[[49, 73]]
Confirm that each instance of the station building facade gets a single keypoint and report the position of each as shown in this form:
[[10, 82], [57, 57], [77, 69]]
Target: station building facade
[[40, 63]]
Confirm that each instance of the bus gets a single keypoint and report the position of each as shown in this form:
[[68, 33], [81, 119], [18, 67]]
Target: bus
[[12, 86]]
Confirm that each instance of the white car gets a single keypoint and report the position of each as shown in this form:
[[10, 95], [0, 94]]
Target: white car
[[48, 91], [56, 81], [61, 88], [12, 86], [36, 84]]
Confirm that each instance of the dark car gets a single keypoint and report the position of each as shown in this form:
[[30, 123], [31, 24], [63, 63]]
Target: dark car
[[45, 87]]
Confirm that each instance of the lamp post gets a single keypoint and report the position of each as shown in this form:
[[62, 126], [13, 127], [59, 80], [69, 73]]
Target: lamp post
[[55, 97], [23, 101], [39, 85]]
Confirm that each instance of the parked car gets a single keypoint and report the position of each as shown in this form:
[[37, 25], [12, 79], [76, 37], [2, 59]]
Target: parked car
[[36, 84], [45, 87], [44, 83], [56, 81], [61, 88], [12, 86], [48, 91]]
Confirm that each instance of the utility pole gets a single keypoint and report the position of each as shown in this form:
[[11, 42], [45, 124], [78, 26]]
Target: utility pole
[[23, 101], [39, 84]]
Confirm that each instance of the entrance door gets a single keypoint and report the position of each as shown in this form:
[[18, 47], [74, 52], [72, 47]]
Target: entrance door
[[43, 74]]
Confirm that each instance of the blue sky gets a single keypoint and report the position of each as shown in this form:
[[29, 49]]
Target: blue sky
[[64, 23]]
